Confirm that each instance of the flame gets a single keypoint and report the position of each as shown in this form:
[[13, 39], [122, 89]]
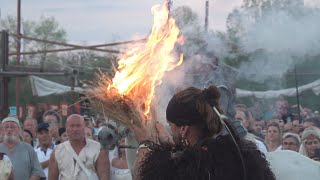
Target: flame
[[141, 69]]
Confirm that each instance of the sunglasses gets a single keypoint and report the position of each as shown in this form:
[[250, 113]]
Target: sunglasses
[[312, 142]]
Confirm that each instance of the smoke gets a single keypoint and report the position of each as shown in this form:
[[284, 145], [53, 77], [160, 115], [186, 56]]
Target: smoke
[[201, 50], [278, 41]]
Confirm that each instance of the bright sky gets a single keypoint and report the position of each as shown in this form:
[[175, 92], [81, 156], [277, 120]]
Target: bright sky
[[107, 20], [97, 21]]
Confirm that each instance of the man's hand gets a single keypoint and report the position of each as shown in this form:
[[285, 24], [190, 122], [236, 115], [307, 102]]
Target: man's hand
[[44, 164], [141, 131], [163, 135]]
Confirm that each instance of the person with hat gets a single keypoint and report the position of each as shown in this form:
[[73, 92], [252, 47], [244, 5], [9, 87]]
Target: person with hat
[[291, 141], [23, 157], [200, 150], [310, 143], [45, 147]]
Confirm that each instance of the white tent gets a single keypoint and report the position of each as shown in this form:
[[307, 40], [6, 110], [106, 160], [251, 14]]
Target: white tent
[[43, 87], [314, 86]]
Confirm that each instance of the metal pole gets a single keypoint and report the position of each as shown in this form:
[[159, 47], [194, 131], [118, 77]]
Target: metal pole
[[206, 20], [4, 81], [18, 52], [297, 93]]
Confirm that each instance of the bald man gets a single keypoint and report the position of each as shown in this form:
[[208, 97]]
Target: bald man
[[64, 161]]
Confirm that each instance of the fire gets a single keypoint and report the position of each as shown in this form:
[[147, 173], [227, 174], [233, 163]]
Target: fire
[[141, 69]]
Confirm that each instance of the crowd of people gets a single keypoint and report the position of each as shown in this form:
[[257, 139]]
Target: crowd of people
[[203, 144], [282, 128], [46, 150]]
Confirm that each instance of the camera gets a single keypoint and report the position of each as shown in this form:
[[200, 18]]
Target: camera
[[109, 135]]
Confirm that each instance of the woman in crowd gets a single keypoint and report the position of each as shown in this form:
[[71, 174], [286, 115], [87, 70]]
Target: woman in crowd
[[273, 137], [63, 135], [119, 165], [291, 141], [27, 137], [310, 143], [200, 151]]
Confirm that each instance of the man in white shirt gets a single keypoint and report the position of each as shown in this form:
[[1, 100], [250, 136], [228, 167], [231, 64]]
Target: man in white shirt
[[45, 147]]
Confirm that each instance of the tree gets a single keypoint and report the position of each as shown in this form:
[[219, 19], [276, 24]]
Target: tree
[[47, 28]]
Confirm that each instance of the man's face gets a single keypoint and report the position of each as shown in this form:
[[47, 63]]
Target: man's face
[[290, 143], [175, 132], [296, 126], [241, 116], [273, 133], [11, 132], [75, 128], [288, 127], [282, 107], [258, 126], [44, 137], [51, 119], [54, 125]]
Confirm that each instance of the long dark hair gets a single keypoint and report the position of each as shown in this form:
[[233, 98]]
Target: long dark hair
[[194, 107], [216, 158], [27, 131]]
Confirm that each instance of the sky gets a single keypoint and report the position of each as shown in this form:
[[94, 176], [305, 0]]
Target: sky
[[100, 21], [109, 20]]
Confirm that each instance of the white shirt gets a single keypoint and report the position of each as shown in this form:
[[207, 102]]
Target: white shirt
[[261, 146], [44, 155]]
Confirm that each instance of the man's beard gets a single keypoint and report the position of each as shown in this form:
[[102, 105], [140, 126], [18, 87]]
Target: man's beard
[[1, 138], [10, 138]]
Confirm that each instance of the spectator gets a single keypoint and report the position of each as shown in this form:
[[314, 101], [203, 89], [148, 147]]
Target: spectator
[[273, 137], [257, 127], [45, 147], [27, 137], [63, 135], [310, 142], [23, 157], [88, 133], [119, 165], [31, 124], [79, 158], [88, 122], [242, 116], [282, 109], [310, 122], [53, 119], [296, 126], [291, 141], [278, 121], [287, 127]]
